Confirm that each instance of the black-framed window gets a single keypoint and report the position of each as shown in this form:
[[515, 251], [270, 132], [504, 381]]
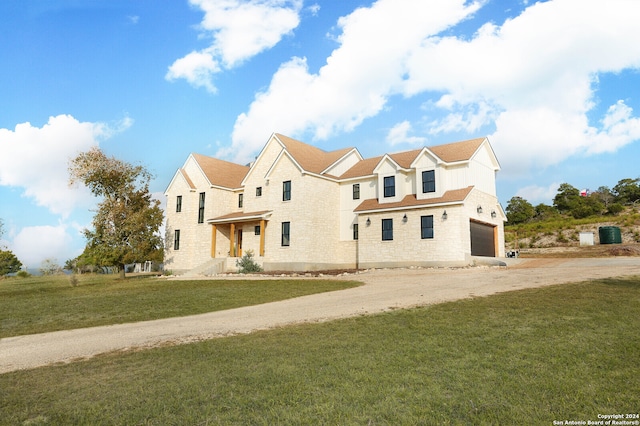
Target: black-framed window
[[355, 231], [390, 186], [178, 203], [286, 228], [176, 239], [256, 230], [259, 191], [387, 229], [240, 200], [286, 190], [426, 226], [429, 181], [356, 191], [201, 208]]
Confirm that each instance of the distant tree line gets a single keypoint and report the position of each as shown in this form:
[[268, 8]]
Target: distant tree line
[[570, 201]]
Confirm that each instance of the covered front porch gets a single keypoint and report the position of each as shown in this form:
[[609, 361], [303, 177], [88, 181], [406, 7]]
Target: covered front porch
[[235, 233]]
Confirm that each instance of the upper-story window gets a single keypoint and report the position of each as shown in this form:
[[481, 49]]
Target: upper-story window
[[356, 191], [178, 203], [429, 181], [286, 190], [387, 229], [201, 208], [240, 200], [259, 191], [390, 186]]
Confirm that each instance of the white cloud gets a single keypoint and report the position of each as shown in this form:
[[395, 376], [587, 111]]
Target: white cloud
[[36, 159], [400, 134], [539, 194], [197, 68], [35, 243], [240, 30], [533, 77], [358, 78]]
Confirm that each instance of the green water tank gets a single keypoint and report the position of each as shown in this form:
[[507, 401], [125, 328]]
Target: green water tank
[[610, 235]]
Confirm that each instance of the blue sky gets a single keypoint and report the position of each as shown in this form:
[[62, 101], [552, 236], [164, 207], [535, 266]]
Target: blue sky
[[555, 86]]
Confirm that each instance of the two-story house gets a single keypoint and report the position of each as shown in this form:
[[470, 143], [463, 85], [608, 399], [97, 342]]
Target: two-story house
[[299, 208]]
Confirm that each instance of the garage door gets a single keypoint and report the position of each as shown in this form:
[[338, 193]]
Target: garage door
[[482, 240]]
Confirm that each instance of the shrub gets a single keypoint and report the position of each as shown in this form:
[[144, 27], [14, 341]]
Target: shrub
[[73, 280], [23, 274], [246, 264]]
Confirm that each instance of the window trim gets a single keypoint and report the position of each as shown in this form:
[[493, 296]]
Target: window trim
[[387, 233], [389, 189], [179, 204], [286, 190], [355, 231], [201, 205], [176, 239], [426, 232], [240, 200], [428, 186], [285, 240], [256, 230]]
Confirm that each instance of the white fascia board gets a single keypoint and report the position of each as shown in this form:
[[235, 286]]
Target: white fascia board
[[342, 158], [426, 151], [386, 157], [258, 158], [278, 158], [415, 207]]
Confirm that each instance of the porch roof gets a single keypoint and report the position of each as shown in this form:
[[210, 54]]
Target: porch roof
[[240, 217], [456, 196]]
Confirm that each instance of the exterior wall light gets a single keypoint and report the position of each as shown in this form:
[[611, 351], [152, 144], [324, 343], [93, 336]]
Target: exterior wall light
[[444, 215], [493, 214], [479, 209], [368, 221], [404, 219]]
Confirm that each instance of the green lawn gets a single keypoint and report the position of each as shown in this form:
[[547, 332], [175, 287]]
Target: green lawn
[[566, 352], [42, 304]]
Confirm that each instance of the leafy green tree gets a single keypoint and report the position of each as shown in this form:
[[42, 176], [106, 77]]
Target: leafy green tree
[[544, 212], [627, 191], [605, 196], [567, 198], [126, 224], [9, 263], [519, 210]]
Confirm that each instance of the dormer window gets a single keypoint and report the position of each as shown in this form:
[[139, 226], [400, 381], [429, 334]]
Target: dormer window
[[390, 186], [429, 181]]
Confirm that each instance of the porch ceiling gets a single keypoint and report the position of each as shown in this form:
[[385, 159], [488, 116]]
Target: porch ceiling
[[240, 217]]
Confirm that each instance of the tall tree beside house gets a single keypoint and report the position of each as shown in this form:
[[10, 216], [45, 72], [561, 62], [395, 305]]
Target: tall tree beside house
[[519, 210], [127, 221]]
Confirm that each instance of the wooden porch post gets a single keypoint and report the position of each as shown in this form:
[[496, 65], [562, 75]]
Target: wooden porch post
[[232, 236], [262, 223], [213, 240]]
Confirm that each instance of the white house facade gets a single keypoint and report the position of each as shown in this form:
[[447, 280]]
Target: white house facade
[[299, 208]]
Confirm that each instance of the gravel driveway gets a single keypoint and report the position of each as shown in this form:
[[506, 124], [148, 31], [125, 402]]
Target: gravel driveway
[[383, 290]]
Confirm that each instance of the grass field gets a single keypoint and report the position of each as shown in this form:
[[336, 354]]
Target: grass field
[[566, 352], [43, 304]]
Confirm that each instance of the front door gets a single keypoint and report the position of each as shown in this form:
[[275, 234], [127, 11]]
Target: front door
[[239, 244]]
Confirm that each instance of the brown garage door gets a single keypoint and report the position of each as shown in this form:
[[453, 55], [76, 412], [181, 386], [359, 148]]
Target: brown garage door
[[482, 240]]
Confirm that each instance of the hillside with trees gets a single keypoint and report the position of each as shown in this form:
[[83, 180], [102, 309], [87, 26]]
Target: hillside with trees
[[543, 228]]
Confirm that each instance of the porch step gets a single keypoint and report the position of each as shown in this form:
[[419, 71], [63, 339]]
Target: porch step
[[211, 267]]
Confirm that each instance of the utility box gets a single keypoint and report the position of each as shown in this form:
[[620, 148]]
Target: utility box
[[586, 238]]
